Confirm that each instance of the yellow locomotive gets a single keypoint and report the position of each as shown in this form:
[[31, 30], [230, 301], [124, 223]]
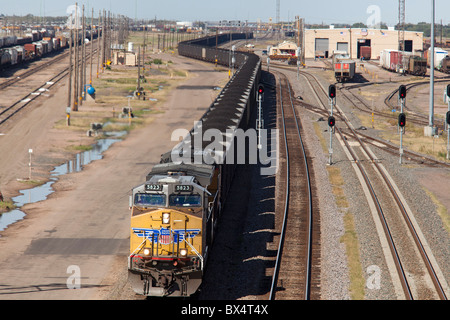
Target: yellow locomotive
[[170, 229]]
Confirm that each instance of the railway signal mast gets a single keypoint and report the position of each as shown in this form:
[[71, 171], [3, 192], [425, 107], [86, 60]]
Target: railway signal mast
[[260, 121], [401, 117], [331, 119], [401, 27], [447, 120]]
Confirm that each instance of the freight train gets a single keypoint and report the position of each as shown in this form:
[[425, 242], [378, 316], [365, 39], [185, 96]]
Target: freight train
[[37, 44], [175, 211], [403, 62]]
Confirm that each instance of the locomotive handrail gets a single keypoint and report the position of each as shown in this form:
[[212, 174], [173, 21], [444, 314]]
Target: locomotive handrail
[[195, 251], [138, 247]]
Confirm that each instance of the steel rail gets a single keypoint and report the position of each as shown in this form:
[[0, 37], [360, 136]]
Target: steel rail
[[308, 256], [57, 78], [418, 242], [393, 249]]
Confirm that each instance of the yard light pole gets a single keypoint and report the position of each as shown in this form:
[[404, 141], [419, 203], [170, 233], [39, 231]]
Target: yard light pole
[[431, 115]]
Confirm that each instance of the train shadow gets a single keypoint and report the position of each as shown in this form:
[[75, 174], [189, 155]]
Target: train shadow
[[243, 249]]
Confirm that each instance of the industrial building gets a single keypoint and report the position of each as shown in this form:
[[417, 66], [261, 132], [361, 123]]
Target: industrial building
[[358, 42]]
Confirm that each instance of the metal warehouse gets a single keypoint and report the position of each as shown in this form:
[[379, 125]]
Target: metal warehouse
[[358, 42]]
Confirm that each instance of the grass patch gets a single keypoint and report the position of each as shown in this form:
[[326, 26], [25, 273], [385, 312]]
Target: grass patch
[[6, 206], [350, 237], [350, 240], [79, 148], [33, 183], [441, 209]]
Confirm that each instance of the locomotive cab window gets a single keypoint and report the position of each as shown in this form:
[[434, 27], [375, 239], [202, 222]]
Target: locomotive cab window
[[181, 200], [150, 200]]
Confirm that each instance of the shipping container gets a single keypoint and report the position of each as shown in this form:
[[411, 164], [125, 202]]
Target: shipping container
[[39, 49], [385, 59], [5, 58], [44, 47], [365, 52], [56, 44], [20, 53], [22, 41], [439, 55], [31, 49], [13, 53]]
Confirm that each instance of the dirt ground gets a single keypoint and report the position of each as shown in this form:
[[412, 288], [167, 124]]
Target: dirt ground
[[82, 229]]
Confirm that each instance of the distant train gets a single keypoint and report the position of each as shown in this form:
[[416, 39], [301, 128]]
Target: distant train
[[16, 50], [176, 210], [403, 62], [344, 68]]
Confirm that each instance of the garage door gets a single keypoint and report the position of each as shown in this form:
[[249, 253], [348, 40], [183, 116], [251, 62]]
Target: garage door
[[342, 46], [322, 47]]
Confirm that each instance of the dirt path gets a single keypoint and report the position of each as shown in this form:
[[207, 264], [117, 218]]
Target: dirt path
[[83, 228]]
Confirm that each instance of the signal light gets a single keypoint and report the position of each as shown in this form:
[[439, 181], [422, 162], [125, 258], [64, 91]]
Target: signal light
[[448, 117], [402, 92], [332, 91], [260, 89], [402, 120], [448, 90], [331, 121], [261, 92]]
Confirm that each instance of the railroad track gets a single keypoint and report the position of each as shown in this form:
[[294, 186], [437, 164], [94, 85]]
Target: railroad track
[[33, 70], [8, 112], [64, 54], [379, 143], [297, 263], [408, 254]]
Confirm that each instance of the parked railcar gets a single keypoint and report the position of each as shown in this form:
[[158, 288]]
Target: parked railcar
[[402, 62], [344, 68], [175, 211], [439, 55], [5, 59], [30, 47], [445, 65], [417, 66]]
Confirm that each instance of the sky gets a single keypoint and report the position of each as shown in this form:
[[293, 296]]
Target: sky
[[318, 11]]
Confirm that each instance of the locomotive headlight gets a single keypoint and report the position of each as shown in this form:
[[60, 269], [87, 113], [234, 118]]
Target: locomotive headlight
[[183, 252], [166, 217], [146, 251]]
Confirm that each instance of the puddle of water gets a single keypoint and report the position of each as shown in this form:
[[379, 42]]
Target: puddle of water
[[41, 192]]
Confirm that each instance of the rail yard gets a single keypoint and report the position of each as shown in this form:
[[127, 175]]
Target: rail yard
[[230, 174]]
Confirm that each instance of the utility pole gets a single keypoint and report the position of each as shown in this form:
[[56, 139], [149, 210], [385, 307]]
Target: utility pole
[[75, 78], [401, 25], [82, 62], [331, 120], [401, 117], [138, 90], [431, 109], [92, 44], [69, 88]]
